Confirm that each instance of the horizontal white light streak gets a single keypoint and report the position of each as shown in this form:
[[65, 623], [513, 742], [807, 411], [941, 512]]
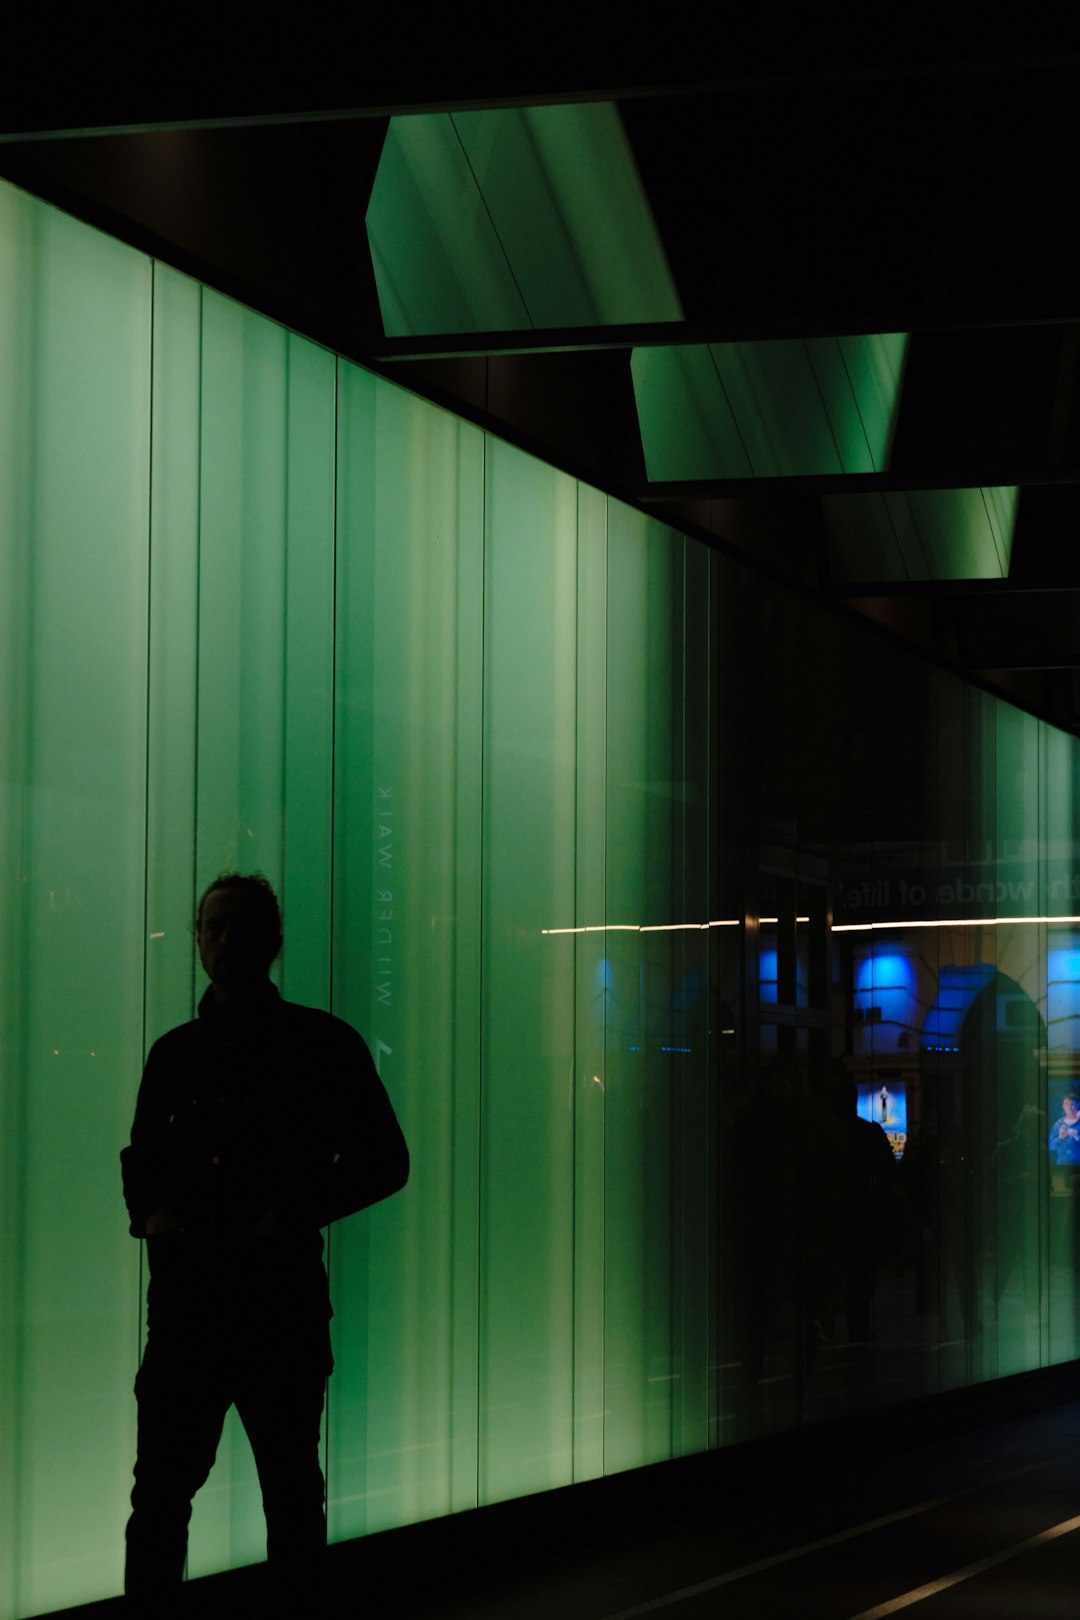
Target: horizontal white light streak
[[948, 922], [642, 928], [837, 928]]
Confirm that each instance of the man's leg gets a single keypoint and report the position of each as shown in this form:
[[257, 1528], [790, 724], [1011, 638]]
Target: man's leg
[[183, 1397], [280, 1401]]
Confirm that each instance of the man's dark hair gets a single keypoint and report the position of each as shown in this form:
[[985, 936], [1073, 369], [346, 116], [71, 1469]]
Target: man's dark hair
[[257, 886]]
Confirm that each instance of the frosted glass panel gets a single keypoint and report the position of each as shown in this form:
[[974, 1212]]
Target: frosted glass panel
[[406, 946], [74, 504], [643, 594], [173, 653], [264, 705], [527, 1076]]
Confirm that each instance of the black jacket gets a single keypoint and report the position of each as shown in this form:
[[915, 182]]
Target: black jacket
[[285, 1115]]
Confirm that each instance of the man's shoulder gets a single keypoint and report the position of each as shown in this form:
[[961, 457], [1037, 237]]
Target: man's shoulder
[[177, 1037], [312, 1027], [170, 1054], [317, 1017], [315, 1024]]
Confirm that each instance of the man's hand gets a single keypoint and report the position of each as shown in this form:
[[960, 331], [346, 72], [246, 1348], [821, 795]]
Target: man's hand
[[162, 1220]]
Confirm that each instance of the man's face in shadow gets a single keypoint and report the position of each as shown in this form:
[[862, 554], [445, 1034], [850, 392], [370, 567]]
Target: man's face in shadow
[[236, 944]]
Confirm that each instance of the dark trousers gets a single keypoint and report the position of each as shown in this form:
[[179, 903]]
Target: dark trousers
[[185, 1386]]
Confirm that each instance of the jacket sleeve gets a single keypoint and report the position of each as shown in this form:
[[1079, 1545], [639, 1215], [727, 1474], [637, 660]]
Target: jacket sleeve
[[371, 1157], [145, 1162]]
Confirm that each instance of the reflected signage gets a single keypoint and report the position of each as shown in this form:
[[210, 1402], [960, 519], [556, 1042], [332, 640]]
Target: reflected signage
[[886, 1105]]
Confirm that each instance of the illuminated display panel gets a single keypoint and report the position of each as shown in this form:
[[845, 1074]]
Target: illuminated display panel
[[887, 1108], [507, 748]]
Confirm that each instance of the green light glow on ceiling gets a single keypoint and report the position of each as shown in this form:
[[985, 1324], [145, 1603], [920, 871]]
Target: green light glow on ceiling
[[921, 534], [514, 218], [769, 409]]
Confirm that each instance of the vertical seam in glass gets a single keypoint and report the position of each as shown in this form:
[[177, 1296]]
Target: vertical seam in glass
[[198, 626], [821, 402], [855, 402], [917, 525], [333, 846], [480, 952], [712, 1044], [939, 796], [19, 1447], [576, 966], [688, 946], [285, 571], [731, 409], [603, 1099], [491, 222], [899, 543], [678, 1385], [146, 736], [572, 251], [334, 681], [1002, 561], [1041, 1271], [574, 1007]]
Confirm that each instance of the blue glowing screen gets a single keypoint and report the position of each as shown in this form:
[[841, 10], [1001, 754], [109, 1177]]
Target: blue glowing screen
[[885, 1103]]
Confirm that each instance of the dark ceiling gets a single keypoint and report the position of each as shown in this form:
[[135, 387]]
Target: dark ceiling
[[818, 197]]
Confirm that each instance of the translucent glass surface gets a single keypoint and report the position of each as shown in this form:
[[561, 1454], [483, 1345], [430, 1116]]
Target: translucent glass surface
[[769, 408], [513, 217], [407, 944], [921, 534], [74, 506], [732, 1016]]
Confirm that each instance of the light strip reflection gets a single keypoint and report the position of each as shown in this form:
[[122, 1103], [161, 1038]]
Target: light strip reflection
[[949, 922], [647, 928], [837, 928]]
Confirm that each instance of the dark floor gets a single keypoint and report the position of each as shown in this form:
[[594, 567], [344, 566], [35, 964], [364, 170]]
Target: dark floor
[[860, 1542], [963, 1511]]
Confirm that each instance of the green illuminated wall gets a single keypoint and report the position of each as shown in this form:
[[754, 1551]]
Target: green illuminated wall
[[264, 610], [532, 774]]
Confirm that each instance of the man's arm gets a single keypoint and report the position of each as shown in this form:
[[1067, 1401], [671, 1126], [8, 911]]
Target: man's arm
[[372, 1157], [148, 1192]]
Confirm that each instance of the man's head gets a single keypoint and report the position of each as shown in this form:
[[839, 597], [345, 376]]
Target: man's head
[[238, 930], [1071, 1107]]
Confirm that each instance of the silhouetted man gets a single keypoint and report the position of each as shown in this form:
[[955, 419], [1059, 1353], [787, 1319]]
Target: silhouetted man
[[257, 1124]]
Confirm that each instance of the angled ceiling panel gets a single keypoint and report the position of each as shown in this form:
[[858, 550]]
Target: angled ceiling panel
[[769, 409], [921, 535], [437, 259], [514, 218]]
